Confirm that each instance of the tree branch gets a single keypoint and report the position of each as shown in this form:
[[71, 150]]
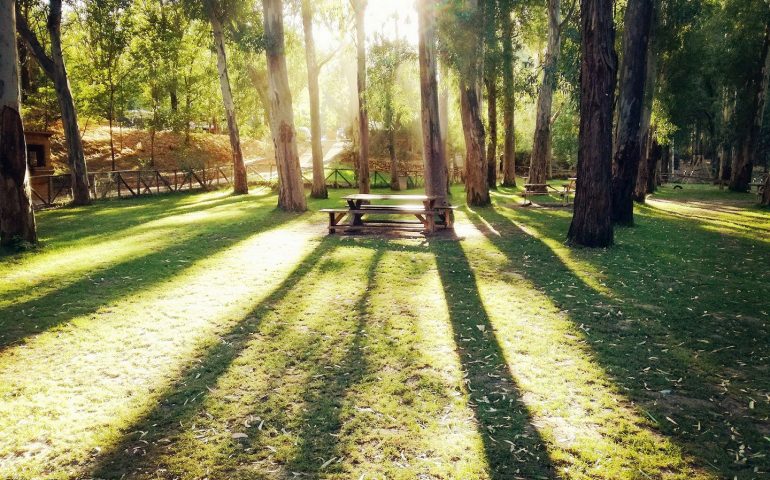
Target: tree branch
[[568, 16], [33, 43]]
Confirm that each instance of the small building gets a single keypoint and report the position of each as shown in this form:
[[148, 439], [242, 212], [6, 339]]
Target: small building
[[39, 152]]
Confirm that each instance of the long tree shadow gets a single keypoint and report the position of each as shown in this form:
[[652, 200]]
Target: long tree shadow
[[134, 454], [668, 359], [513, 446], [101, 287]]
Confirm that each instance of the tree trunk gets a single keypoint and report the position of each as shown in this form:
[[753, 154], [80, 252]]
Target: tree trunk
[[766, 192], [319, 178], [434, 155], [240, 182], [17, 221], [628, 146], [509, 140], [646, 130], [55, 70], [443, 116], [491, 85], [291, 194], [592, 223], [476, 186], [363, 113], [744, 164], [541, 146]]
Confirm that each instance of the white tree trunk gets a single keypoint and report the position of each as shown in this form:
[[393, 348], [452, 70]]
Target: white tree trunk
[[291, 194]]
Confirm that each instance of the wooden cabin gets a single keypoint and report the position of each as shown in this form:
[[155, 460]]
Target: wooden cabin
[[39, 153]]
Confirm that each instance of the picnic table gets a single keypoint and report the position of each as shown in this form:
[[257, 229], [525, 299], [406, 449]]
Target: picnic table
[[535, 189], [363, 211]]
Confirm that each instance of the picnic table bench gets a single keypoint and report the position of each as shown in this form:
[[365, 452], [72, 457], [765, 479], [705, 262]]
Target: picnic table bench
[[535, 189], [361, 213]]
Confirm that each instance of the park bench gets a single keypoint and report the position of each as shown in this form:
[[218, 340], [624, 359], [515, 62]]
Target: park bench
[[544, 189], [362, 214]]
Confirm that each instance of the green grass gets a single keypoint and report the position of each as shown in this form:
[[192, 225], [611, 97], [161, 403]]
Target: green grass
[[210, 336]]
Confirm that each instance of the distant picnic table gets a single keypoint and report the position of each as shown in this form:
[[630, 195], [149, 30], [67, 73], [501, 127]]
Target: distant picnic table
[[566, 191], [363, 212]]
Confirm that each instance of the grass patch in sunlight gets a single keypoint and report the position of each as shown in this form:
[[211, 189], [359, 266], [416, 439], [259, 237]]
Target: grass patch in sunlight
[[205, 335]]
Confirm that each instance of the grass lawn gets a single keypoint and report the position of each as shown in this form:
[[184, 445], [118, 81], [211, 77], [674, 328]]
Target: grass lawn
[[209, 336]]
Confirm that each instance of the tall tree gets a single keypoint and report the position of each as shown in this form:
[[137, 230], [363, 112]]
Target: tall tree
[[216, 12], [491, 74], [509, 137], [758, 84], [55, 69], [359, 8], [17, 221], [291, 194], [592, 223], [646, 130], [628, 147], [470, 48], [433, 148], [541, 146], [319, 179]]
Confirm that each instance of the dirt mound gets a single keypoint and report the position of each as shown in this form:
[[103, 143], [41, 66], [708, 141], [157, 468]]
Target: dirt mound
[[136, 149]]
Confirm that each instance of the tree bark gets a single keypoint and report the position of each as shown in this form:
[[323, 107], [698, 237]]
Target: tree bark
[[744, 162], [56, 71], [491, 85], [646, 129], [541, 146], [592, 223], [443, 116], [434, 155], [509, 140], [476, 186], [17, 221], [363, 113], [628, 146], [240, 182], [319, 178], [766, 192], [291, 194]]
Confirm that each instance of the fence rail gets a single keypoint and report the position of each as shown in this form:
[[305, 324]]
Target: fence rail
[[50, 190]]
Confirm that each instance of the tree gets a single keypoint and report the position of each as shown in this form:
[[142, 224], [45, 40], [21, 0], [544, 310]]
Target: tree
[[109, 27], [17, 221], [509, 138], [758, 84], [433, 147], [633, 74], [491, 74], [359, 8], [56, 70], [319, 178], [591, 223], [541, 146], [291, 195], [466, 45], [216, 12]]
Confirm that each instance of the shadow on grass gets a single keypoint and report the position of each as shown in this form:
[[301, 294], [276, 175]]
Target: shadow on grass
[[513, 446], [646, 334], [99, 288], [134, 453]]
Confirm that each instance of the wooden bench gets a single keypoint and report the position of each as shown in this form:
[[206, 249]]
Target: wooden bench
[[544, 189], [428, 216]]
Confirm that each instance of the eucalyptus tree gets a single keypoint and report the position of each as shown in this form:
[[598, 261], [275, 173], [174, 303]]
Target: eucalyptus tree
[[109, 28], [462, 35], [434, 154], [492, 65], [507, 62], [219, 13], [591, 222], [359, 9], [54, 68], [628, 149], [17, 221], [541, 145], [319, 178], [291, 195], [386, 98]]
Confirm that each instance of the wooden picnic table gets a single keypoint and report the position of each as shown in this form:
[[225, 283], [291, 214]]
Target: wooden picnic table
[[535, 189], [361, 207]]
